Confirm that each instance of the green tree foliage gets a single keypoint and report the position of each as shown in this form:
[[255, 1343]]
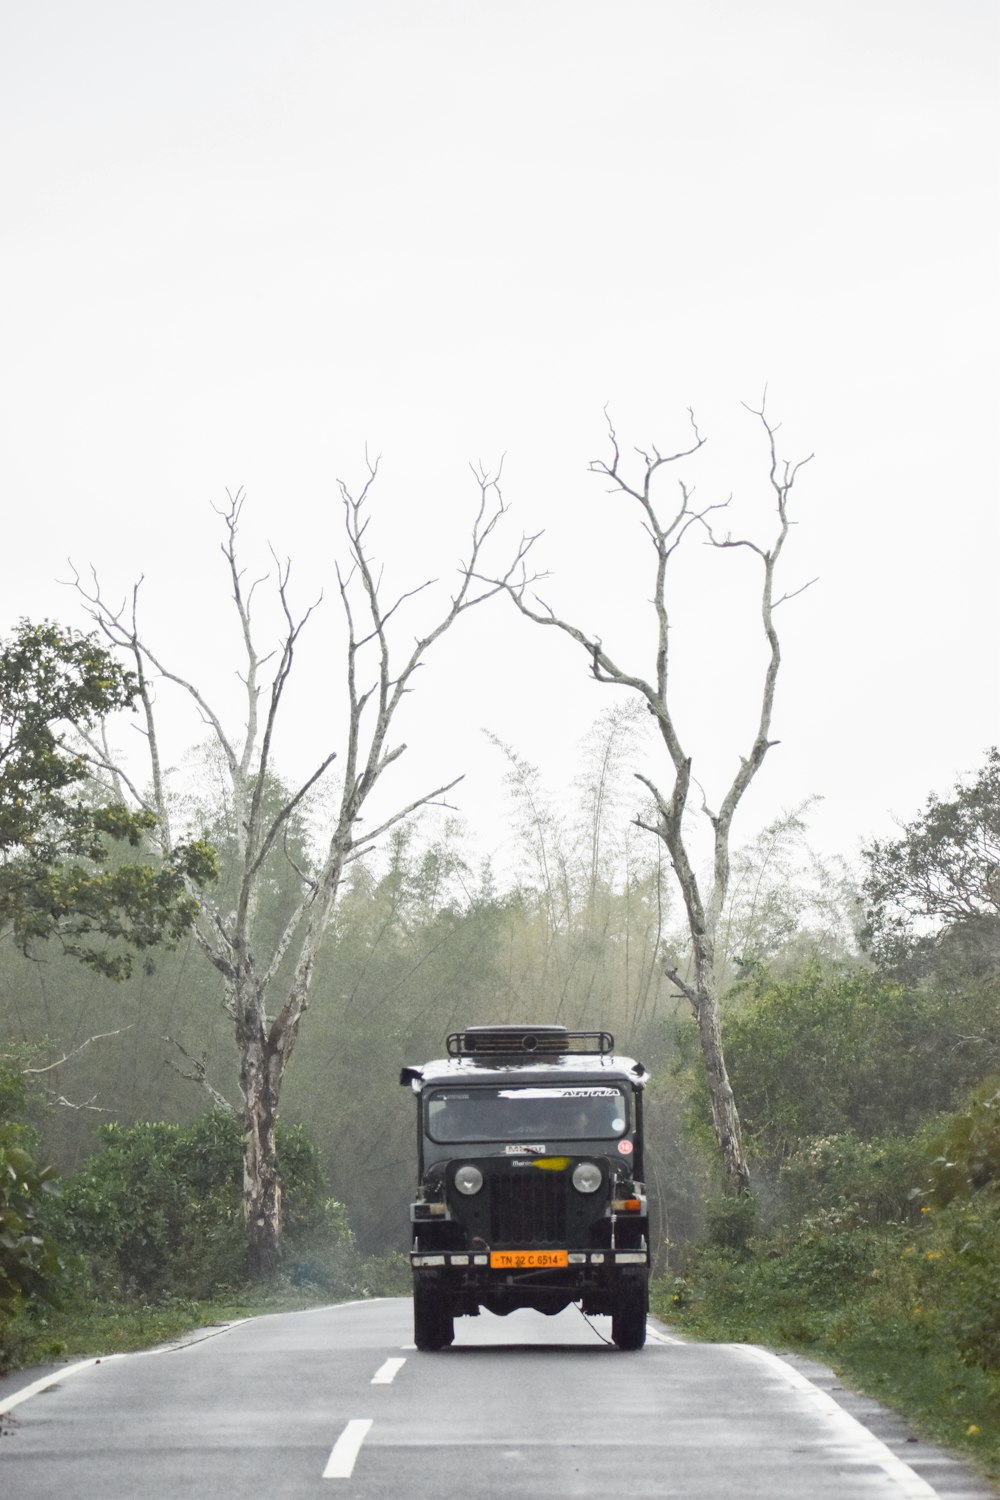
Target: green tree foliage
[[841, 1181], [157, 1211], [968, 1160], [961, 1272], [933, 895], [834, 1049], [27, 1260], [58, 877], [29, 1264]]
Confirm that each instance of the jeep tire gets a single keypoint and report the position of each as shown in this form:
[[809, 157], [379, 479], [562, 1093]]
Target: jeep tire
[[433, 1324], [629, 1306]]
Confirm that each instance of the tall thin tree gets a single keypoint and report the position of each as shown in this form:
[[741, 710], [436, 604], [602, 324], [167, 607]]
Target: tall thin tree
[[266, 991], [667, 529]]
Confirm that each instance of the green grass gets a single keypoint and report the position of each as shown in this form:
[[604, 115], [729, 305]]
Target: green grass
[[100, 1328], [858, 1311], [85, 1325]]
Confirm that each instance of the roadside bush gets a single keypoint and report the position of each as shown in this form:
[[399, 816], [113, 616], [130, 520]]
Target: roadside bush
[[29, 1265], [968, 1147], [157, 1211], [861, 1182], [959, 1274], [782, 1288], [321, 1252], [961, 1264], [731, 1221], [881, 1251]]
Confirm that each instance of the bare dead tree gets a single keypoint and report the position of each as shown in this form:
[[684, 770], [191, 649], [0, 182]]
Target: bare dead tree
[[267, 1016], [703, 901]]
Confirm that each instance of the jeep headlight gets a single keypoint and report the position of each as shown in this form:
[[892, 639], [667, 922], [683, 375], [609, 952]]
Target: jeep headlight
[[586, 1177], [468, 1180]]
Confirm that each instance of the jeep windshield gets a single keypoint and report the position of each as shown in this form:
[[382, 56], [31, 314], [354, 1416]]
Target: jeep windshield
[[530, 1113]]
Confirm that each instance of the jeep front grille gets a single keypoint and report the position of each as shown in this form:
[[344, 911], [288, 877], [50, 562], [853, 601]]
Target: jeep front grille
[[528, 1208]]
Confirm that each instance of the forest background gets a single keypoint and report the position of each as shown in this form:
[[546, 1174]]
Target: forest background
[[425, 940]]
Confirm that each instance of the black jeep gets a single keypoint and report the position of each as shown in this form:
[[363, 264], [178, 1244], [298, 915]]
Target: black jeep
[[531, 1180]]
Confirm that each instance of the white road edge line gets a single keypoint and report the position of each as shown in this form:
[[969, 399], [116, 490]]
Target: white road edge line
[[344, 1454], [47, 1381], [386, 1374], [662, 1338], [855, 1434]]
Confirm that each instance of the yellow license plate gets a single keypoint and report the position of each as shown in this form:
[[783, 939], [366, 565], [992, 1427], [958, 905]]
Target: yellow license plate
[[518, 1260]]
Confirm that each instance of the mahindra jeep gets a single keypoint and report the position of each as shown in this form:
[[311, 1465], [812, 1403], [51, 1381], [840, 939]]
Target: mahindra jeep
[[529, 1143]]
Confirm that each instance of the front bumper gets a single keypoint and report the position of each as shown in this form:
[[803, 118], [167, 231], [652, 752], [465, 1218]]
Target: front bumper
[[480, 1259]]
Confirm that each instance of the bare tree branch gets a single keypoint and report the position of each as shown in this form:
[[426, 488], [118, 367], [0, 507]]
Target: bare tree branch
[[101, 1036], [429, 799], [60, 1099], [199, 1074], [688, 991]]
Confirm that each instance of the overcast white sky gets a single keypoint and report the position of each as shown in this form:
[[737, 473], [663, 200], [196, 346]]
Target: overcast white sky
[[241, 240]]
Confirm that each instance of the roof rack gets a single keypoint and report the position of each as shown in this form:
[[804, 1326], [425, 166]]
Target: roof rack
[[528, 1041]]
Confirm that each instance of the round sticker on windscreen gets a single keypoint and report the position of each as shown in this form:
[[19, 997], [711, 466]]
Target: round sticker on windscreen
[[625, 1147]]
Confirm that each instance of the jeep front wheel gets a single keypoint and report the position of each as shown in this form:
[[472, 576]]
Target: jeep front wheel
[[629, 1306], [433, 1324]]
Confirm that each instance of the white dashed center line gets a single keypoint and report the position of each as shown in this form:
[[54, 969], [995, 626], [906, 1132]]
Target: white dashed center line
[[386, 1374], [340, 1464]]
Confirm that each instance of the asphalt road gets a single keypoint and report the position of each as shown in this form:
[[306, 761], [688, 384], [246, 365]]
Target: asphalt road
[[336, 1401]]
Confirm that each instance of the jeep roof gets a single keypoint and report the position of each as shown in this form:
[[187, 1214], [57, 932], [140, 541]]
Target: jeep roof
[[490, 1054]]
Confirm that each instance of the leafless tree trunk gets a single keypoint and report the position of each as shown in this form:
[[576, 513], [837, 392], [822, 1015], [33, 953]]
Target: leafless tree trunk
[[671, 798], [267, 1018]]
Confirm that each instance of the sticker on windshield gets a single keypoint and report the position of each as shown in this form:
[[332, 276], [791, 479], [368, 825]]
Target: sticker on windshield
[[561, 1093]]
